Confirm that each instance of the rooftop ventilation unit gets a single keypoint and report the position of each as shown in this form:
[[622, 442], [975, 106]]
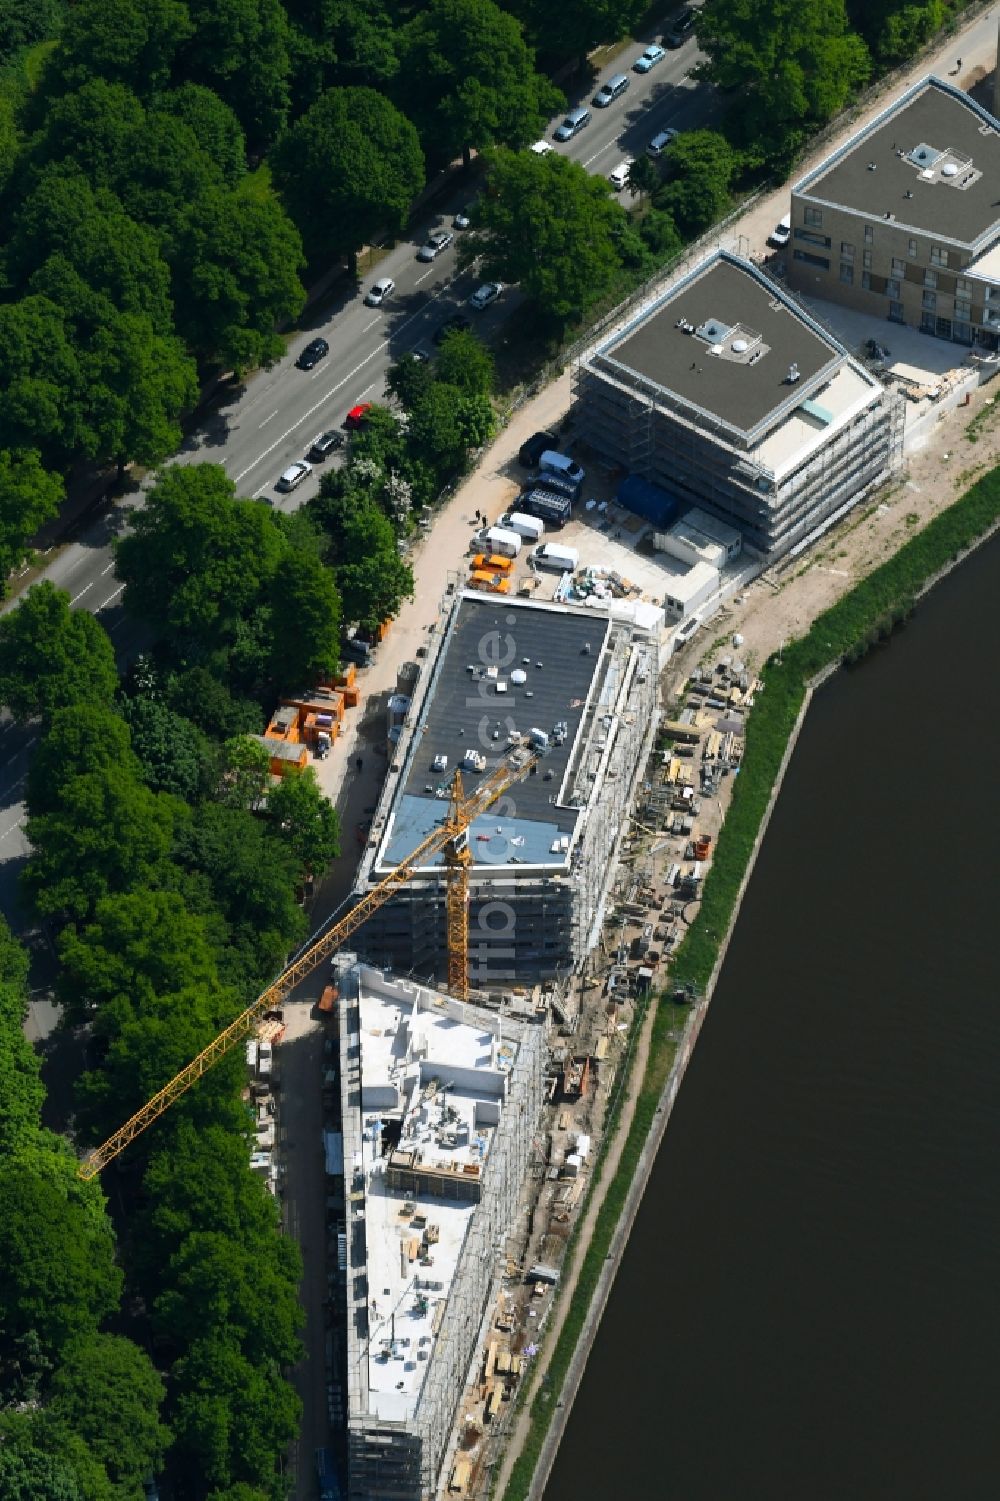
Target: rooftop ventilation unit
[[924, 155], [793, 374]]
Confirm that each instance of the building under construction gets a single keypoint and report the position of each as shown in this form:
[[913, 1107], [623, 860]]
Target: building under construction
[[583, 687], [439, 1104], [729, 395]]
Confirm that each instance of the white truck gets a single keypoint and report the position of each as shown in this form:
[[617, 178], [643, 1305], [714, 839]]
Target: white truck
[[528, 527], [264, 1059], [553, 555]]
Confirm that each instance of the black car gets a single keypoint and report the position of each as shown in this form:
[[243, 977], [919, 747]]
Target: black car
[[315, 350], [457, 322], [681, 29], [325, 444], [532, 450]]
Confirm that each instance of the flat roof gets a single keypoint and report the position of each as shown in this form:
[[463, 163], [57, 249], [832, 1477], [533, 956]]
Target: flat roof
[[723, 303], [936, 115], [437, 1070], [504, 667]]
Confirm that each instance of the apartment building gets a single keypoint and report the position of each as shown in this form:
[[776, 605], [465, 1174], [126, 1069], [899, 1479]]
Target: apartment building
[[728, 395], [903, 221]]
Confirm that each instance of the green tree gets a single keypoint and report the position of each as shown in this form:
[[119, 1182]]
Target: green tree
[[373, 580], [703, 165], [229, 1417], [60, 1278], [209, 705], [216, 1287], [794, 66], [80, 738], [88, 228], [29, 1474], [240, 50], [199, 1182], [29, 496], [42, 385], [23, 22], [446, 424], [245, 770], [196, 559], [408, 380], [306, 820], [468, 79], [23, 1094], [141, 944], [52, 656], [174, 754], [548, 224], [108, 833], [237, 278], [642, 176], [305, 621], [466, 363], [214, 125], [92, 130], [583, 24], [134, 41], [107, 1391], [349, 168]]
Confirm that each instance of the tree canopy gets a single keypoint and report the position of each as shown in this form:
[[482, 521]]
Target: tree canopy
[[52, 656]]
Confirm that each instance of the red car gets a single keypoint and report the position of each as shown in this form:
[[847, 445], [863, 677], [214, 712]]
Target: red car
[[358, 415]]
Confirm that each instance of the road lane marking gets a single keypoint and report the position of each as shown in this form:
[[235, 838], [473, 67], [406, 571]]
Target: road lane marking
[[268, 418], [384, 344], [600, 153], [428, 272], [108, 569], [82, 592], [371, 325], [111, 597], [18, 825]]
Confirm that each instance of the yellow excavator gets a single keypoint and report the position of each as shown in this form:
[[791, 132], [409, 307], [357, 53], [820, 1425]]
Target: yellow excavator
[[450, 838]]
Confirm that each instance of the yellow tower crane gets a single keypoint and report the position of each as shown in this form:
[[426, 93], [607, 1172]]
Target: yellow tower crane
[[451, 837]]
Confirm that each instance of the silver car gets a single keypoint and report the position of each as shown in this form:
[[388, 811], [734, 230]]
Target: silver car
[[293, 475], [438, 241]]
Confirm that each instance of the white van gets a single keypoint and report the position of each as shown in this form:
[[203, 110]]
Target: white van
[[528, 527], [781, 233], [552, 555], [500, 540], [619, 177]]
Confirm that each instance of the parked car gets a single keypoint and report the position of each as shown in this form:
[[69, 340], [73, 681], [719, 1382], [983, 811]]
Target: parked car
[[653, 54], [484, 295], [461, 219], [618, 178], [612, 90], [660, 142], [324, 445], [572, 125], [681, 29], [380, 291], [457, 322], [293, 475], [531, 451], [541, 148], [438, 241], [357, 416], [315, 350], [781, 233]]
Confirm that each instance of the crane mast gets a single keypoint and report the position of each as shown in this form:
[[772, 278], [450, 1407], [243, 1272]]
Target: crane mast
[[450, 838]]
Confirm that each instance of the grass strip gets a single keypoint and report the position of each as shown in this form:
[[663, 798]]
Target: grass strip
[[858, 621]]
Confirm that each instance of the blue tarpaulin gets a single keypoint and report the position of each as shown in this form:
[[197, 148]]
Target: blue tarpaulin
[[647, 500]]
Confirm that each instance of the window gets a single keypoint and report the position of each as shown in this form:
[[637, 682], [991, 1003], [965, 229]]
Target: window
[[896, 312], [847, 273], [961, 333], [866, 281], [963, 309], [939, 257], [963, 285], [942, 327], [846, 250], [898, 266], [930, 279], [892, 287], [814, 217], [811, 260], [930, 300], [866, 259], [927, 323], [869, 234], [805, 234], [911, 250]]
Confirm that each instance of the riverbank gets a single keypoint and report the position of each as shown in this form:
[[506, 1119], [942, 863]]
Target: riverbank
[[865, 615]]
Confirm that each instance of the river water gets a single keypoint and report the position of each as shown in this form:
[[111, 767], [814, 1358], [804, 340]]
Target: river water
[[809, 1307]]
